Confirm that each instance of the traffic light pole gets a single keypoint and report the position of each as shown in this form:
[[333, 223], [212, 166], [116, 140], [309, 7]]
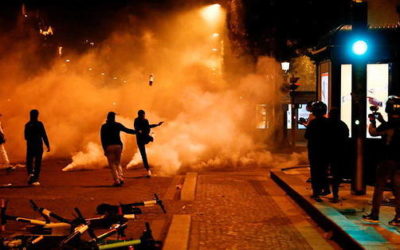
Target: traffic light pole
[[293, 119], [359, 97], [359, 121]]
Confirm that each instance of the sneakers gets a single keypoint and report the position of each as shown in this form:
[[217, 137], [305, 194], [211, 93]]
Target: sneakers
[[149, 173], [370, 218], [316, 198], [118, 184], [36, 183], [395, 222], [30, 179]]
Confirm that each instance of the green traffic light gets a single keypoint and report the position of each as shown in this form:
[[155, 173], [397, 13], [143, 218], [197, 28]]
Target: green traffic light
[[360, 47]]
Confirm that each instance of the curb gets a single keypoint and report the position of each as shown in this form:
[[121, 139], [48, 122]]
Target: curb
[[178, 233], [340, 236], [189, 187]]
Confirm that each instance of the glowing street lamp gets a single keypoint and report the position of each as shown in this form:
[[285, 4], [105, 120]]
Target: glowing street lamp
[[360, 47], [212, 12], [285, 66]]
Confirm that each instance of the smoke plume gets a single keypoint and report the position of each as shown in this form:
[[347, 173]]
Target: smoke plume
[[209, 122]]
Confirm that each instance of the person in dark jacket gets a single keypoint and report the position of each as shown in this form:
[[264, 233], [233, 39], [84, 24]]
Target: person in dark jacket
[[318, 136], [35, 135], [389, 167], [112, 145], [339, 133], [143, 127]]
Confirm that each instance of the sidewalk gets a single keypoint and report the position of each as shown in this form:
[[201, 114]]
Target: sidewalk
[[343, 219]]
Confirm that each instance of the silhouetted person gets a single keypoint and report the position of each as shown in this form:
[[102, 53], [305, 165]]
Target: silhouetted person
[[389, 167], [318, 136], [339, 133], [112, 145], [143, 137], [35, 135], [4, 161]]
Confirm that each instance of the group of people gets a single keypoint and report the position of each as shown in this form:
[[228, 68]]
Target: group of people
[[35, 135], [112, 144], [327, 141]]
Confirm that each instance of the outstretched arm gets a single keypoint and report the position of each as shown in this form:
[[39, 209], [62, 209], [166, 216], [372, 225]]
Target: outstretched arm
[[127, 130], [156, 125]]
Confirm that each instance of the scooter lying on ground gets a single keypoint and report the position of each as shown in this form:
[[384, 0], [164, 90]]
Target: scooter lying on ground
[[64, 226], [145, 242], [129, 208]]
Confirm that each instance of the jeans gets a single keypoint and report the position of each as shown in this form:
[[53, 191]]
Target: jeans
[[142, 150], [34, 156], [113, 154], [4, 161]]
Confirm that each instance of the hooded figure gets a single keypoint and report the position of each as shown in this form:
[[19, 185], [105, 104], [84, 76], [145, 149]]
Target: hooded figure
[[35, 135]]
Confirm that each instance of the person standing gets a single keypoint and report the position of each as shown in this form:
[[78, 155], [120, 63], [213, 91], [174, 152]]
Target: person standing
[[112, 145], [318, 139], [338, 148], [4, 161], [389, 167], [35, 135], [143, 127]]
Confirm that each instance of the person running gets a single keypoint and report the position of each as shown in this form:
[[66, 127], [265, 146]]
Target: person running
[[389, 167], [35, 135], [318, 136], [339, 140], [112, 145], [143, 127]]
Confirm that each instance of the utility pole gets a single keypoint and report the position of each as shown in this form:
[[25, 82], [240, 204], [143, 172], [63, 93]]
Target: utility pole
[[359, 90], [292, 87]]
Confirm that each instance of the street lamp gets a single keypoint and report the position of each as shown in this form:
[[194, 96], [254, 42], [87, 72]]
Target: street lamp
[[212, 12], [285, 66]]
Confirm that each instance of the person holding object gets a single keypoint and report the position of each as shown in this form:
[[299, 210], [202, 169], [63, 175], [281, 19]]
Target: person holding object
[[311, 116], [389, 167], [318, 140], [35, 135], [112, 145], [143, 127]]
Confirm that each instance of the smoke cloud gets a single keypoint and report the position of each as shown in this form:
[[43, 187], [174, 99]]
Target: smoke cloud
[[209, 122]]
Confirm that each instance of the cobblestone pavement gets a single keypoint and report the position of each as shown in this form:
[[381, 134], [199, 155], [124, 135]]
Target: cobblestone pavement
[[235, 211]]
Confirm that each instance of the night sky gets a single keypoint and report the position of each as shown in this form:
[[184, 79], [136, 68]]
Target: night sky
[[273, 27]]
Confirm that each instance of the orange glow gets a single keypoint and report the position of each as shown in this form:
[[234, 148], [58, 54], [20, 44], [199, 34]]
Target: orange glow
[[212, 13]]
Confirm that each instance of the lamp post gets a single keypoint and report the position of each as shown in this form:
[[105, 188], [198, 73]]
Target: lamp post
[[360, 51], [285, 68]]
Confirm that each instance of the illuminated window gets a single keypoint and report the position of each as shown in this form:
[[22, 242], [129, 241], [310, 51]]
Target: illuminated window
[[261, 116]]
